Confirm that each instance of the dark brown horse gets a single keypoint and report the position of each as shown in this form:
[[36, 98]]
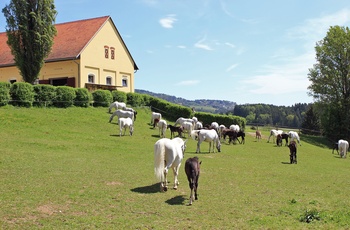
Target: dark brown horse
[[192, 169], [174, 129], [293, 152]]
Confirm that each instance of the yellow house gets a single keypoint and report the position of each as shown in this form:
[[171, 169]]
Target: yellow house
[[86, 54]]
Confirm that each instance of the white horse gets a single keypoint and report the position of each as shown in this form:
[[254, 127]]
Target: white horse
[[215, 125], [181, 120], [121, 113], [187, 127], [273, 134], [207, 135], [294, 135], [116, 105], [198, 125], [221, 129], [235, 128], [162, 125], [343, 147], [155, 116], [168, 153], [125, 123]]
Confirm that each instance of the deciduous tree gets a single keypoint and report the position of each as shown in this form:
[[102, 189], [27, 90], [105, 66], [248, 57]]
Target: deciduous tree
[[30, 31], [330, 82]]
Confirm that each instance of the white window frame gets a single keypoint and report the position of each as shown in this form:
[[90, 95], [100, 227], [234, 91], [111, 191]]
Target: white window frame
[[93, 78]]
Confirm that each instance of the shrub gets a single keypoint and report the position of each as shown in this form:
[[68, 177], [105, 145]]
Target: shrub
[[65, 96], [22, 94], [102, 98], [119, 96], [4, 93], [44, 95], [134, 99], [83, 97]]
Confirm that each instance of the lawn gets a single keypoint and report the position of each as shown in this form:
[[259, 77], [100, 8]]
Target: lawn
[[70, 169]]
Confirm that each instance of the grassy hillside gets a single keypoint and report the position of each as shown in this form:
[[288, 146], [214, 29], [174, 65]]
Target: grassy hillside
[[69, 169]]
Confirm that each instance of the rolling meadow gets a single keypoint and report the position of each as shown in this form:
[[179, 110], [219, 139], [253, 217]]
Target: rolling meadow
[[70, 169]]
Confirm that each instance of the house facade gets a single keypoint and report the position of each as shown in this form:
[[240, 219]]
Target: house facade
[[86, 54]]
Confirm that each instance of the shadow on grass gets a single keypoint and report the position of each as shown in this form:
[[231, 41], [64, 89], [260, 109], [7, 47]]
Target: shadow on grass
[[319, 141], [177, 200], [154, 188]]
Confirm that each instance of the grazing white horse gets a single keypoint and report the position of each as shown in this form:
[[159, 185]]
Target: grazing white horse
[[162, 125], [168, 153], [273, 134], [121, 113], [155, 116], [235, 128], [343, 147], [125, 123], [187, 127], [294, 135], [215, 126], [198, 125], [116, 105], [207, 135], [181, 120]]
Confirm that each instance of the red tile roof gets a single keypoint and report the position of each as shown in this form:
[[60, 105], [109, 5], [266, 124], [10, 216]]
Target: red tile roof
[[70, 41]]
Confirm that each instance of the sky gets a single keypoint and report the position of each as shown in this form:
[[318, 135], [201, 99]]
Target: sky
[[247, 52]]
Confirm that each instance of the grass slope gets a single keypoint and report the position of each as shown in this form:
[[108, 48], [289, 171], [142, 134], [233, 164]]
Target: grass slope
[[69, 169]]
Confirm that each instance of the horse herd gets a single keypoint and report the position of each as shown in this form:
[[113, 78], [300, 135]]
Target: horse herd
[[169, 153]]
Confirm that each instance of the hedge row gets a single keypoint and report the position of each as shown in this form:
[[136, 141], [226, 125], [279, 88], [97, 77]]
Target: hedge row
[[25, 94]]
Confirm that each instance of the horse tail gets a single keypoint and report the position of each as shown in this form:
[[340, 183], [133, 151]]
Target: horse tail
[[159, 153]]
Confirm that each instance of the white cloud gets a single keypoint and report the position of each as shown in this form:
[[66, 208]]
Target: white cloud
[[231, 67], [168, 21], [230, 45], [202, 45], [189, 82], [181, 47], [287, 78]]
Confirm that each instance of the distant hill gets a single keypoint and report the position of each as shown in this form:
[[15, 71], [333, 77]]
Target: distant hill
[[200, 105]]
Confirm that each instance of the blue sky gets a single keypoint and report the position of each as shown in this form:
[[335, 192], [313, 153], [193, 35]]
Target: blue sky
[[242, 51]]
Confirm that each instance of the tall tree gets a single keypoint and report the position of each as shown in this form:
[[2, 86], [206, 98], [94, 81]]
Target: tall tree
[[330, 82], [30, 31]]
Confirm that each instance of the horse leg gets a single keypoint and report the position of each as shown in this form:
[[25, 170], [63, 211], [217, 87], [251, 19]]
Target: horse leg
[[164, 183], [176, 173], [198, 150], [111, 118]]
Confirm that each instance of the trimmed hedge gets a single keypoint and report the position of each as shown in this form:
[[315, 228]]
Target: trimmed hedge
[[65, 96], [44, 95], [22, 94], [102, 98], [83, 97], [5, 96], [119, 96], [134, 99]]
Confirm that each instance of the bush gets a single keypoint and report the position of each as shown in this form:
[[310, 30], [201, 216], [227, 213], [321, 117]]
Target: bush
[[119, 96], [102, 98], [65, 96], [134, 99], [5, 93], [83, 97], [44, 95], [22, 94]]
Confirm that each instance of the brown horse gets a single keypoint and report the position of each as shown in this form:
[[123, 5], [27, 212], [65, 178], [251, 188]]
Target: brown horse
[[257, 135], [293, 152], [192, 169]]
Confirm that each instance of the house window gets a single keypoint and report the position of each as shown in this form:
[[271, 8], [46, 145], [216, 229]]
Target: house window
[[13, 81], [106, 51], [112, 53], [125, 82], [91, 78], [108, 80]]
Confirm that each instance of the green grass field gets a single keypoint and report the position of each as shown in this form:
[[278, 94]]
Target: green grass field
[[69, 169]]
